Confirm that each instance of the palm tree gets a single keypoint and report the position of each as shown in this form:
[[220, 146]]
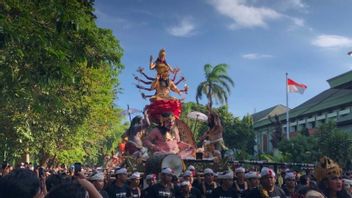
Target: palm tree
[[216, 86]]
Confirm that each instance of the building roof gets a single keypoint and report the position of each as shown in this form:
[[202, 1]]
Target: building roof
[[326, 100], [275, 110], [341, 81], [261, 114]]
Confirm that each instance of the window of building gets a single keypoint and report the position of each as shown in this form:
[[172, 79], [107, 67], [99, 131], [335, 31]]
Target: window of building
[[303, 126], [265, 143]]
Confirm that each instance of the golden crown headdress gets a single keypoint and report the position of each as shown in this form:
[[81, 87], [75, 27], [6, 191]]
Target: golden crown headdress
[[162, 52], [327, 168]]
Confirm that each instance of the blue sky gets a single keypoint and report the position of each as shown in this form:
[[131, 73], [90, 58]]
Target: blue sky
[[260, 41]]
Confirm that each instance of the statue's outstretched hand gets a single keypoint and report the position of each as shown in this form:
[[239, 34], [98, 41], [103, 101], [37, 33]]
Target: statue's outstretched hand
[[176, 70], [140, 69]]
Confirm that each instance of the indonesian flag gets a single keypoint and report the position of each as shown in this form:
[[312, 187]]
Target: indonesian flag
[[294, 87]]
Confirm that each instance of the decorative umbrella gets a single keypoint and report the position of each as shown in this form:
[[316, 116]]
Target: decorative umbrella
[[129, 111], [196, 115]]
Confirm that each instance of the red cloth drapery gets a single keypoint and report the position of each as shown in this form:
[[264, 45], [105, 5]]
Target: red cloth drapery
[[157, 107]]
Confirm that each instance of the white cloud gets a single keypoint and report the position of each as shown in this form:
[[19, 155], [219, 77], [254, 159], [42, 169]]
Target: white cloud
[[184, 28], [254, 56], [298, 21], [244, 15], [332, 41], [292, 4], [296, 3]]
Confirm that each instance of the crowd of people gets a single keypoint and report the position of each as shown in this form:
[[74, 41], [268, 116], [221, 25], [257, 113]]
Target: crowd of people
[[328, 181]]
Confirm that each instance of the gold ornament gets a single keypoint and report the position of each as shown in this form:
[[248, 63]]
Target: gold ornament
[[327, 168], [162, 52], [263, 193]]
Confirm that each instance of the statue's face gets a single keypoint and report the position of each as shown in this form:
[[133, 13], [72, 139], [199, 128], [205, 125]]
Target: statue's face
[[162, 56], [169, 122]]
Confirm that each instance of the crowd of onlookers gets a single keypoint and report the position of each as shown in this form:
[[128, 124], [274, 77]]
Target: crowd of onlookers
[[61, 182]]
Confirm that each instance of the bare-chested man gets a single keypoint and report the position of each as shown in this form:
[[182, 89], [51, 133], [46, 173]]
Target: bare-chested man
[[164, 138], [215, 132]]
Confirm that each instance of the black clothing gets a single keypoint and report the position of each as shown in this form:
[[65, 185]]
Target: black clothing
[[245, 193], [219, 192], [117, 192], [342, 194], [146, 191], [135, 193], [160, 191], [287, 192], [240, 188], [207, 190], [197, 184], [195, 193], [277, 193], [104, 194]]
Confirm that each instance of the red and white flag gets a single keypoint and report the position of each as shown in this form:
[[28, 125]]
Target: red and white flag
[[294, 87]]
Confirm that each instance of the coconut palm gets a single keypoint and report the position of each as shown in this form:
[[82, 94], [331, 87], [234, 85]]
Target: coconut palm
[[216, 86]]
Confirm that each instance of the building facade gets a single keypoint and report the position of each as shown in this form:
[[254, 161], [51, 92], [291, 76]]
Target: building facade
[[333, 104]]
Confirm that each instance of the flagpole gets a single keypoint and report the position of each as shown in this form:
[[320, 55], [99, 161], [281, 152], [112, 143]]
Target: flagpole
[[287, 112]]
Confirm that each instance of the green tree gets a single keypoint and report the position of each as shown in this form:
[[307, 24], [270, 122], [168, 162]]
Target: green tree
[[329, 141], [335, 143], [238, 133], [198, 127], [217, 84], [301, 148], [58, 79]]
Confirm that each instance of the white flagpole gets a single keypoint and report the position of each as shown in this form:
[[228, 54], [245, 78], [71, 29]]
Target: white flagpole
[[287, 112]]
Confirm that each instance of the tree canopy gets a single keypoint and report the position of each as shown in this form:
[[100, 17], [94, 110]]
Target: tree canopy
[[58, 79], [328, 141], [216, 86], [238, 133]]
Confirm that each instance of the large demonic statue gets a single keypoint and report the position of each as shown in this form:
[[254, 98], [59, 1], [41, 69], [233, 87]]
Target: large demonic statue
[[135, 133], [214, 134], [166, 139], [163, 138], [164, 109]]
